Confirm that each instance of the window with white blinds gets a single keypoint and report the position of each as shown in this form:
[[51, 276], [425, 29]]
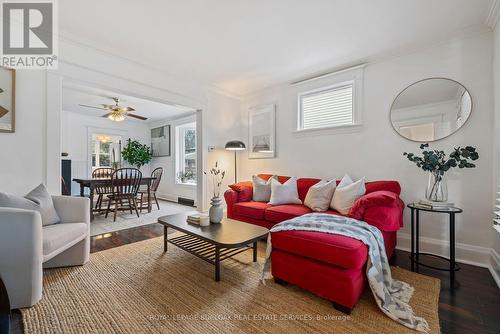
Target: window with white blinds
[[327, 107]]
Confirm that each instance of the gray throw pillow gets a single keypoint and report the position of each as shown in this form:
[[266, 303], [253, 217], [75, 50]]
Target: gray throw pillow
[[38, 199], [262, 188]]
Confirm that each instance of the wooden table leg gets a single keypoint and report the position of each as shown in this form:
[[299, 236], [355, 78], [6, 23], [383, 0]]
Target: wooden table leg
[[255, 251], [91, 202], [82, 190], [217, 263], [165, 238], [149, 197]]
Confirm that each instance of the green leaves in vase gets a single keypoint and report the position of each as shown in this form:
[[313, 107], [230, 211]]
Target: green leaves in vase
[[438, 162]]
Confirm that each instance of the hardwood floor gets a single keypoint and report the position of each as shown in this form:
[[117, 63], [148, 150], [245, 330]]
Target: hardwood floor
[[472, 307]]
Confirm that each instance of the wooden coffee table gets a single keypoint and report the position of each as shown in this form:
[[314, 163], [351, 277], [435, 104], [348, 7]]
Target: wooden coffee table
[[213, 243]]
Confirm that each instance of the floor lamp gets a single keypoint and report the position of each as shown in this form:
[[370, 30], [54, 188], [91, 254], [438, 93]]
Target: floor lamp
[[235, 145]]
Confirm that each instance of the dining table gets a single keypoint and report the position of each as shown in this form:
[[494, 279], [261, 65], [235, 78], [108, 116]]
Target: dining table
[[91, 183]]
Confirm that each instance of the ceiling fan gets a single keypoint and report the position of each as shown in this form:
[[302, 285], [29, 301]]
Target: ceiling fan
[[116, 112]]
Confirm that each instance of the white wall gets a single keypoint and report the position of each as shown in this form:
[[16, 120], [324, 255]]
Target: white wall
[[75, 141], [376, 150], [221, 127], [495, 258], [168, 188], [22, 154]]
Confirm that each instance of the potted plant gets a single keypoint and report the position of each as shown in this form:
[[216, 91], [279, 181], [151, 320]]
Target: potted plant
[[183, 177], [216, 212], [437, 163], [136, 153]]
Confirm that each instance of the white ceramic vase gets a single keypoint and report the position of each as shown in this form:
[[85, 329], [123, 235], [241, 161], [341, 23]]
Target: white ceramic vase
[[216, 211]]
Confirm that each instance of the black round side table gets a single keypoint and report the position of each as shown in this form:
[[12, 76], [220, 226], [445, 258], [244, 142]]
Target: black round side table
[[415, 234]]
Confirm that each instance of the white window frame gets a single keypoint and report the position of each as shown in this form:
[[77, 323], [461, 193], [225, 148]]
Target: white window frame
[[179, 152], [96, 131], [97, 153], [354, 76]]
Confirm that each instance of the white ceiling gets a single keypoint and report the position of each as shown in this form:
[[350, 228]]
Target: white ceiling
[[245, 45], [74, 94]]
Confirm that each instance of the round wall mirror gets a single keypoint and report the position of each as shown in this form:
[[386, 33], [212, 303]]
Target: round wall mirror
[[431, 109]]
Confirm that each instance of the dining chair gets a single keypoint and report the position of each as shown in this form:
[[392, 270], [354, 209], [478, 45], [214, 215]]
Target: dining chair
[[103, 189], [125, 183], [156, 178]]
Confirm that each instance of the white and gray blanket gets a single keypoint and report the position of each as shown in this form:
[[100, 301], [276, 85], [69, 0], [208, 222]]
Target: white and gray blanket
[[392, 296]]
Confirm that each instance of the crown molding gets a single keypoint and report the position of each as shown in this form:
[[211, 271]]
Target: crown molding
[[327, 74], [412, 48], [493, 14], [221, 91]]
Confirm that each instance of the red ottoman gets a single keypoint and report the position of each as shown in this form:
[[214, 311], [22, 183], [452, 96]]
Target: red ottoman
[[331, 266]]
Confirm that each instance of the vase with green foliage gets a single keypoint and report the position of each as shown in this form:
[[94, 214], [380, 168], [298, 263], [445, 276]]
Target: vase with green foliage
[[437, 163], [137, 154]]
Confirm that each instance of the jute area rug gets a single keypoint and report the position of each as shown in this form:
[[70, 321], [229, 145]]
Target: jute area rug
[[139, 289]]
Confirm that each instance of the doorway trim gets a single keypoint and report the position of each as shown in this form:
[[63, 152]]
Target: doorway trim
[[71, 73]]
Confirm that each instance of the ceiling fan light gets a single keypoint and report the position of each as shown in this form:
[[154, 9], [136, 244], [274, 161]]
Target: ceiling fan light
[[116, 116]]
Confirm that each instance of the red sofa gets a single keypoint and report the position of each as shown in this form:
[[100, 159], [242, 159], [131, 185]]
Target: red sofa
[[331, 266]]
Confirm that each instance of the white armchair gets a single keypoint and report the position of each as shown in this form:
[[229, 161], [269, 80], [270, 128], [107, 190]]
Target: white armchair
[[26, 246]]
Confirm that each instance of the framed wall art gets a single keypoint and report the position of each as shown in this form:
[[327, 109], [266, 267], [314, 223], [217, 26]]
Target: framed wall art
[[7, 99], [262, 132], [160, 141]]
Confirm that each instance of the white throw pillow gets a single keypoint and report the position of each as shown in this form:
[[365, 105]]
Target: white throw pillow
[[346, 193], [319, 196], [285, 193], [38, 199], [262, 188]]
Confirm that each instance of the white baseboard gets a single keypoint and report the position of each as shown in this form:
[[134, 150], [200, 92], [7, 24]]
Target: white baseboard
[[464, 253], [167, 197], [170, 197]]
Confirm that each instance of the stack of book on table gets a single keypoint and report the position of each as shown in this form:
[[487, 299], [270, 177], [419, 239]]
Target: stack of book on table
[[194, 219], [426, 204]]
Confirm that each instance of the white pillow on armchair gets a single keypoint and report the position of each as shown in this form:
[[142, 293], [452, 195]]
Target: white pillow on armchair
[[38, 199]]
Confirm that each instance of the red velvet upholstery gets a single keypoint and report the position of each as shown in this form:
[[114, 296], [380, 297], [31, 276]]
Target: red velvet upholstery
[[392, 186], [279, 213], [245, 195], [329, 265], [255, 210], [241, 185], [335, 249], [343, 286]]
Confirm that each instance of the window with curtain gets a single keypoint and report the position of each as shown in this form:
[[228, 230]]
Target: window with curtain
[[327, 107]]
